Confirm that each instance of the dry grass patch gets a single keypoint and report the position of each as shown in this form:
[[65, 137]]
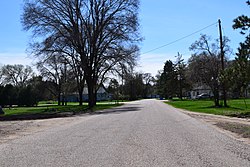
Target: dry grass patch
[[240, 129]]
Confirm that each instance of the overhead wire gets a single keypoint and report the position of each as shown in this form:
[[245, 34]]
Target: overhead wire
[[170, 43]]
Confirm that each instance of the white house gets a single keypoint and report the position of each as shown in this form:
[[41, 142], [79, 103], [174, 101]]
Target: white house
[[199, 89]]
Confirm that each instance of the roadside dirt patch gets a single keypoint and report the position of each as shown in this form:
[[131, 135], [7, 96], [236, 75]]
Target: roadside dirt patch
[[239, 128], [10, 130]]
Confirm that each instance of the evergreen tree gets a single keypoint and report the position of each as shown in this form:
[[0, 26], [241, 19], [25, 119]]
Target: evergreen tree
[[167, 81]]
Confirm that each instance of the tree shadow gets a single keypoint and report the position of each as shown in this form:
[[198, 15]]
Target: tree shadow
[[53, 114], [118, 110], [35, 116], [222, 107]]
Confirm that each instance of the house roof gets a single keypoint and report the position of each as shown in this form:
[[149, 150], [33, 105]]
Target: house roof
[[100, 90]]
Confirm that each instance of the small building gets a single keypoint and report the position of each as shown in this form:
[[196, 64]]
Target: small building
[[199, 89], [102, 95]]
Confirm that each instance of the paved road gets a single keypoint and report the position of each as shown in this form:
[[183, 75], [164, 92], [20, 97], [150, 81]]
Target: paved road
[[145, 133]]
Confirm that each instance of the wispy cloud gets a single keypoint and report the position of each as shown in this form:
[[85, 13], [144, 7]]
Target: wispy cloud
[[148, 67], [15, 58], [152, 63]]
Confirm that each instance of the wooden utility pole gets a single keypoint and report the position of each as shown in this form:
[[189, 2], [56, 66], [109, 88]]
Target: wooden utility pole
[[222, 65]]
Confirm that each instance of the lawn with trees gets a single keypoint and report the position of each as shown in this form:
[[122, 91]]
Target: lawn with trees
[[236, 107], [51, 110], [204, 67]]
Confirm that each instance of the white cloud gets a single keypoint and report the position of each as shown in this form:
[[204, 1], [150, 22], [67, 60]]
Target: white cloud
[[152, 68], [152, 63], [157, 57], [15, 58]]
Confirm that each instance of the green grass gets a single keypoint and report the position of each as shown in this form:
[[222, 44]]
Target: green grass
[[50, 109], [236, 108], [45, 108]]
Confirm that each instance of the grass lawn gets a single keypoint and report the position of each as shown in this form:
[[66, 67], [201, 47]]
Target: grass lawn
[[50, 109], [237, 108]]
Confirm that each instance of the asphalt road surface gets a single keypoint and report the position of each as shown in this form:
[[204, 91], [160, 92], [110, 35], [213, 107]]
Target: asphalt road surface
[[145, 133]]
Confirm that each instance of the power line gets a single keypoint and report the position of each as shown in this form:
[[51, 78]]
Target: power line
[[170, 43]]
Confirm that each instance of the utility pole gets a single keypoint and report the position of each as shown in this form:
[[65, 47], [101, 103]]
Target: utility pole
[[179, 70], [222, 65]]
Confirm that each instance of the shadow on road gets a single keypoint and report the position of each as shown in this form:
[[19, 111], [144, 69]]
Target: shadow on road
[[119, 110], [34, 116]]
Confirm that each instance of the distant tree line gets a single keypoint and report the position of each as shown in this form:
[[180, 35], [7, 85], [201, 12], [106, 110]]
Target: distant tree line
[[19, 86], [204, 68], [133, 87], [172, 81], [22, 96]]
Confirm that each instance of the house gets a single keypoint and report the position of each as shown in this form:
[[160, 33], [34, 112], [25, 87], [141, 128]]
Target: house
[[102, 95], [199, 89]]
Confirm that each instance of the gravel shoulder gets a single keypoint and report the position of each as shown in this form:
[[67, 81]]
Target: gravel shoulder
[[238, 128], [10, 130]]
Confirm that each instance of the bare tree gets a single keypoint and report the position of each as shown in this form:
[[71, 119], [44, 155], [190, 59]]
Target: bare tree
[[148, 82], [52, 69], [16, 74], [205, 65], [204, 69], [68, 56], [96, 29], [76, 71]]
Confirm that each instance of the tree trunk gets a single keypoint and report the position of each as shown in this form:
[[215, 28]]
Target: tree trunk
[[91, 93], [92, 99], [59, 99], [180, 90], [59, 90], [80, 91], [216, 99], [63, 100], [216, 102]]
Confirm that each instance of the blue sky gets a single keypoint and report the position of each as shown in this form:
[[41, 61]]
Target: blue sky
[[162, 22]]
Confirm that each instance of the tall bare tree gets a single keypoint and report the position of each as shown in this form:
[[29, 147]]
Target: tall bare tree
[[205, 66], [148, 84], [16, 75], [204, 69], [100, 31]]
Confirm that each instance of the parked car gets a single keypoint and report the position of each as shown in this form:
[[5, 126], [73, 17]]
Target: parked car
[[203, 96]]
